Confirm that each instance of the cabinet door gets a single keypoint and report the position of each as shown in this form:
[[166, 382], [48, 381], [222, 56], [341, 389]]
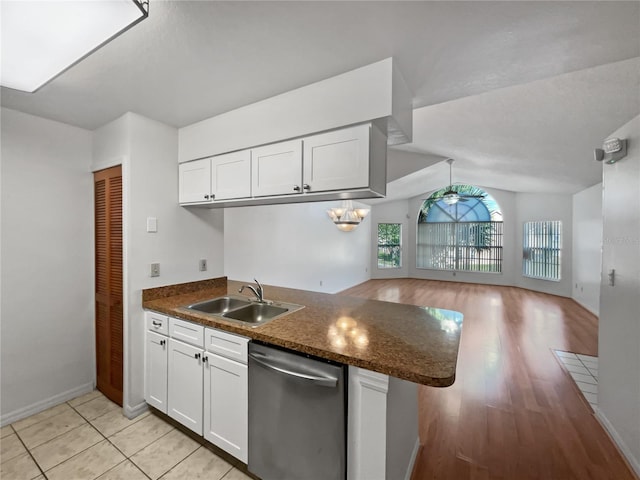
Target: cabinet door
[[337, 160], [226, 407], [194, 181], [155, 371], [277, 169], [185, 385], [231, 175]]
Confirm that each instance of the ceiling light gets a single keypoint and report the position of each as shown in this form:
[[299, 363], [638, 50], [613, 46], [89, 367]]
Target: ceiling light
[[450, 198], [42, 39], [347, 218]]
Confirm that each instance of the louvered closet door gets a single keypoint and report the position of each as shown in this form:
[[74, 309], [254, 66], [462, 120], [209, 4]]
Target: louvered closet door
[[108, 232]]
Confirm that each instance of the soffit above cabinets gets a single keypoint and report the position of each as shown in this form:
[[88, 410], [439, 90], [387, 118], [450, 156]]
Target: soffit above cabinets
[[375, 91]]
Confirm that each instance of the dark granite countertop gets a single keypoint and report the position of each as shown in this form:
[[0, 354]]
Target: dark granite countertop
[[419, 344]]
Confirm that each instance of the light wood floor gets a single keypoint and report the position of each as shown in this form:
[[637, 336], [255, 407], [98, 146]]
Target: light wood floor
[[513, 412]]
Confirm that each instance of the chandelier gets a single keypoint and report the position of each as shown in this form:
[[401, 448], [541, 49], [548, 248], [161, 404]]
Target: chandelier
[[347, 218]]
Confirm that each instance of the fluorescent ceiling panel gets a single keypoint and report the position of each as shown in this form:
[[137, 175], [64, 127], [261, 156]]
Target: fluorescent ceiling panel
[[41, 39]]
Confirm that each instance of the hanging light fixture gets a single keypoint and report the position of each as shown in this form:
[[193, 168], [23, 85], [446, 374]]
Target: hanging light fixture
[[41, 40], [347, 218], [450, 197]]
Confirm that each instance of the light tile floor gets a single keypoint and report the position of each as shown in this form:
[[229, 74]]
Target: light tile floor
[[584, 371], [89, 438]]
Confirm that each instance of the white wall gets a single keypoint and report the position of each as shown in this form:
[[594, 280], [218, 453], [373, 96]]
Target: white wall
[[516, 208], [47, 264], [539, 207], [619, 326], [390, 212], [361, 95], [587, 247], [295, 246], [184, 236], [507, 203]]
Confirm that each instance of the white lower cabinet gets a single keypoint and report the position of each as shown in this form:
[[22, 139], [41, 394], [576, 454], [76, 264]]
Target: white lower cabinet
[[155, 381], [185, 384], [198, 376], [226, 405]]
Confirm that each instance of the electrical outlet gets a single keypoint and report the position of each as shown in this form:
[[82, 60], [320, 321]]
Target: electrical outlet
[[203, 264], [155, 270]]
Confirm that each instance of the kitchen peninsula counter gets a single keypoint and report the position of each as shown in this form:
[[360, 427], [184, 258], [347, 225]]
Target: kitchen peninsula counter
[[418, 344]]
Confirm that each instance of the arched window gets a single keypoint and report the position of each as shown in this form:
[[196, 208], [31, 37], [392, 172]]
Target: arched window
[[463, 236]]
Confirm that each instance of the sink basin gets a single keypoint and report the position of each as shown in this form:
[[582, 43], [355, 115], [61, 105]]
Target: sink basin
[[242, 310], [219, 306], [256, 313]]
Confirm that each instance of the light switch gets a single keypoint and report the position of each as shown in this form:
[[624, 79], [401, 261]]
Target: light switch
[[154, 271], [152, 224]]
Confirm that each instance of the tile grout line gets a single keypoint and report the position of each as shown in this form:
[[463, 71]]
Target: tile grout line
[[192, 453], [87, 422], [110, 443], [564, 366], [103, 437], [30, 455], [138, 451]]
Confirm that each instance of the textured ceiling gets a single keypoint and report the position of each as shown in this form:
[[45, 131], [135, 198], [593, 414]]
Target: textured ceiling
[[536, 137], [192, 60]]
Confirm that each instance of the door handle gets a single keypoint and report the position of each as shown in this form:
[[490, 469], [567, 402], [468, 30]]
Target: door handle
[[320, 381]]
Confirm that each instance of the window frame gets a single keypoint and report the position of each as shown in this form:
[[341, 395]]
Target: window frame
[[388, 245], [539, 242], [460, 244]]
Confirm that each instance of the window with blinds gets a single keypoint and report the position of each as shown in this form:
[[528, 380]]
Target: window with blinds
[[542, 250], [464, 247], [466, 236]]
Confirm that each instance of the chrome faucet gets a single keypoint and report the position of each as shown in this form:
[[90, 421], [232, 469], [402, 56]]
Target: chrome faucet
[[258, 292]]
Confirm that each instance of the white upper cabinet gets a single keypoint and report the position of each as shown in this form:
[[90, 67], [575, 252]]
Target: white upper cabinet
[[348, 163], [337, 160], [277, 169], [194, 181], [231, 175]]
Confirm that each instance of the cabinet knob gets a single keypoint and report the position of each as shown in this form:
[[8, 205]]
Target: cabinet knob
[[197, 355], [205, 359], [162, 342], [306, 186], [296, 188], [206, 197]]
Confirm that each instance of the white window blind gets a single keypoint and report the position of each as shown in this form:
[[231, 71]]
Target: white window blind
[[542, 250]]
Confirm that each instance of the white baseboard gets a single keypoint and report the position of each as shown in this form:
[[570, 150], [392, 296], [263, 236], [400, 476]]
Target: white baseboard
[[412, 460], [38, 407], [586, 307], [622, 446], [132, 412]]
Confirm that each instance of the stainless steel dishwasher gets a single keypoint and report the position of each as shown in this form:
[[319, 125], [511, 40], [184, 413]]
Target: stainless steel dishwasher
[[297, 422]]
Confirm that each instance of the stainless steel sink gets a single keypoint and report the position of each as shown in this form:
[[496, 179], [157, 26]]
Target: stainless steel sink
[[243, 310], [256, 313], [219, 305]]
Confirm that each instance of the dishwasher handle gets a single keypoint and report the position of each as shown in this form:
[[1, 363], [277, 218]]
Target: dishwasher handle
[[263, 360]]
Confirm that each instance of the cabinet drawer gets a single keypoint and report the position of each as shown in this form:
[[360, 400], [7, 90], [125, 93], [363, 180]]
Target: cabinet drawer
[[157, 322], [226, 344], [186, 332]]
